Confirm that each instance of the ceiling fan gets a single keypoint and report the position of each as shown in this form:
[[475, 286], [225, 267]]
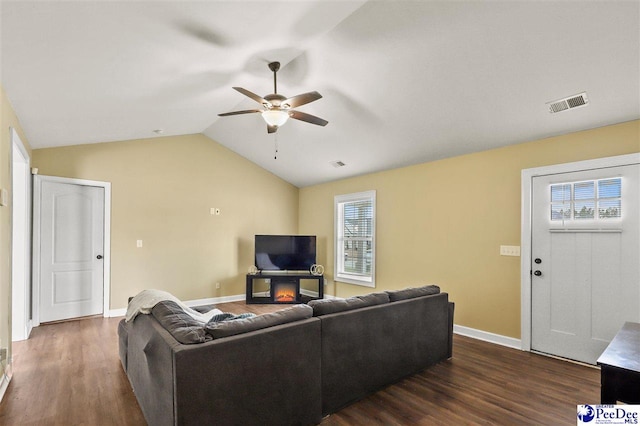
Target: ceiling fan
[[278, 108]]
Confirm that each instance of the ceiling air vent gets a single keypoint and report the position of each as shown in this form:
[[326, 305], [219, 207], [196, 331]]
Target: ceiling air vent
[[571, 102], [337, 164]]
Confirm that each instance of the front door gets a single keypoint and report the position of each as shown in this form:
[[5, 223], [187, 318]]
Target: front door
[[585, 260], [71, 250]]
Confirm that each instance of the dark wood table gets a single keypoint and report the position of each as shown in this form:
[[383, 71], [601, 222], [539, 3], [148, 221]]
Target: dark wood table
[[620, 367]]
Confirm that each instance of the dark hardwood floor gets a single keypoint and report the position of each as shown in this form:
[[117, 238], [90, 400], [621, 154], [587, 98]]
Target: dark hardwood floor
[[482, 384], [69, 373]]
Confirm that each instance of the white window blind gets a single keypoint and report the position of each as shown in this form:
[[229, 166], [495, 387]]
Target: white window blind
[[595, 200], [355, 238]]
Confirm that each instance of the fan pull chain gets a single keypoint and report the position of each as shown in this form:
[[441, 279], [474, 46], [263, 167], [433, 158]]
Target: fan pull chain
[[275, 155]]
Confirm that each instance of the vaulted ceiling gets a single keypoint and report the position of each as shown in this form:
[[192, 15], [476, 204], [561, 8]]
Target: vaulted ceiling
[[403, 82]]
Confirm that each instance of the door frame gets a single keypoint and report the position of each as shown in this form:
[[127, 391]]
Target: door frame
[[106, 274], [526, 228], [21, 280]]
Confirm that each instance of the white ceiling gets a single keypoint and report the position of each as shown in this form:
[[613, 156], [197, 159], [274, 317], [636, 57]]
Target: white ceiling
[[404, 82]]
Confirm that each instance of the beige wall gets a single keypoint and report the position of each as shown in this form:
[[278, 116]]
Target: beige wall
[[162, 192], [440, 222], [8, 120], [443, 222]]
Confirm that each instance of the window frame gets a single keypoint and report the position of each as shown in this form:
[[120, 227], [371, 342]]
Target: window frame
[[572, 202], [340, 275]]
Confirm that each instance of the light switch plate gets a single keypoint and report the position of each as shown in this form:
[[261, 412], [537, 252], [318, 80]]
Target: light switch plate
[[509, 250]]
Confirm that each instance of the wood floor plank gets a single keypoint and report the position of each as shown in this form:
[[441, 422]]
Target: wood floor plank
[[69, 373], [482, 384]]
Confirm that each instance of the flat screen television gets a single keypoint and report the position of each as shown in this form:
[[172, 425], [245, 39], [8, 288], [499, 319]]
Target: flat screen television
[[285, 252]]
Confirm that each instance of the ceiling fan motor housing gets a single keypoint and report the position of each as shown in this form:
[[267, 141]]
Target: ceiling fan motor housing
[[275, 101], [274, 66]]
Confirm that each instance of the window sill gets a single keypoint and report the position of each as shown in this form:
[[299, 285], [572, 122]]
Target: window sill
[[365, 282]]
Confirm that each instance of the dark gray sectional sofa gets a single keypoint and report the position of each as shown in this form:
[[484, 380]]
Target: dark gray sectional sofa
[[286, 368]]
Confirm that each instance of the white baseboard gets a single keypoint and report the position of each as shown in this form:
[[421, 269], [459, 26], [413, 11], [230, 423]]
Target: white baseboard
[[116, 313], [331, 296], [486, 336], [215, 300], [197, 302], [4, 381], [308, 293], [29, 328]]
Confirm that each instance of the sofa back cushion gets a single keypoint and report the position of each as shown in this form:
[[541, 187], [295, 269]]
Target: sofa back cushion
[[410, 293], [368, 349], [230, 328], [330, 306], [182, 326]]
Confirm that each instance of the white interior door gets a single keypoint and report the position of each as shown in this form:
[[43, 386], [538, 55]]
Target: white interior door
[[71, 250], [585, 260]]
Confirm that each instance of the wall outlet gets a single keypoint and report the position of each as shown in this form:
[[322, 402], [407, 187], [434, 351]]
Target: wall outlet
[[138, 243], [509, 250], [217, 286]]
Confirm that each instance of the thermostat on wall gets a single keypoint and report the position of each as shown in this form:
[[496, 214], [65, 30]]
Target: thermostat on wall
[[4, 197]]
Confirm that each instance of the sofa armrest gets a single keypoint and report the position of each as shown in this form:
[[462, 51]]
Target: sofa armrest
[[150, 368]]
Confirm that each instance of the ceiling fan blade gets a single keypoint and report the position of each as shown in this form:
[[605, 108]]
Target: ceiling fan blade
[[303, 116], [302, 99], [246, 111], [202, 32], [271, 129], [252, 95]]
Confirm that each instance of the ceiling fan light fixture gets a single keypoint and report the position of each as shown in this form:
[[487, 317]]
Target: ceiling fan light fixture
[[275, 117]]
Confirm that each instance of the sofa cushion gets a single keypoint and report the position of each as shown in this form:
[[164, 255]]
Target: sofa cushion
[[182, 326], [230, 328], [203, 309], [410, 293], [226, 316], [330, 306]]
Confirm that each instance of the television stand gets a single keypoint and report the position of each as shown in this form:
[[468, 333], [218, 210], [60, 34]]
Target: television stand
[[284, 288]]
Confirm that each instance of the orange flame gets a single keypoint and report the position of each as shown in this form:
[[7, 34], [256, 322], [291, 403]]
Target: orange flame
[[285, 293]]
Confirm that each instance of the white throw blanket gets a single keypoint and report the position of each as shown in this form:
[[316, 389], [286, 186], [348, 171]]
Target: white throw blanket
[[144, 301]]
